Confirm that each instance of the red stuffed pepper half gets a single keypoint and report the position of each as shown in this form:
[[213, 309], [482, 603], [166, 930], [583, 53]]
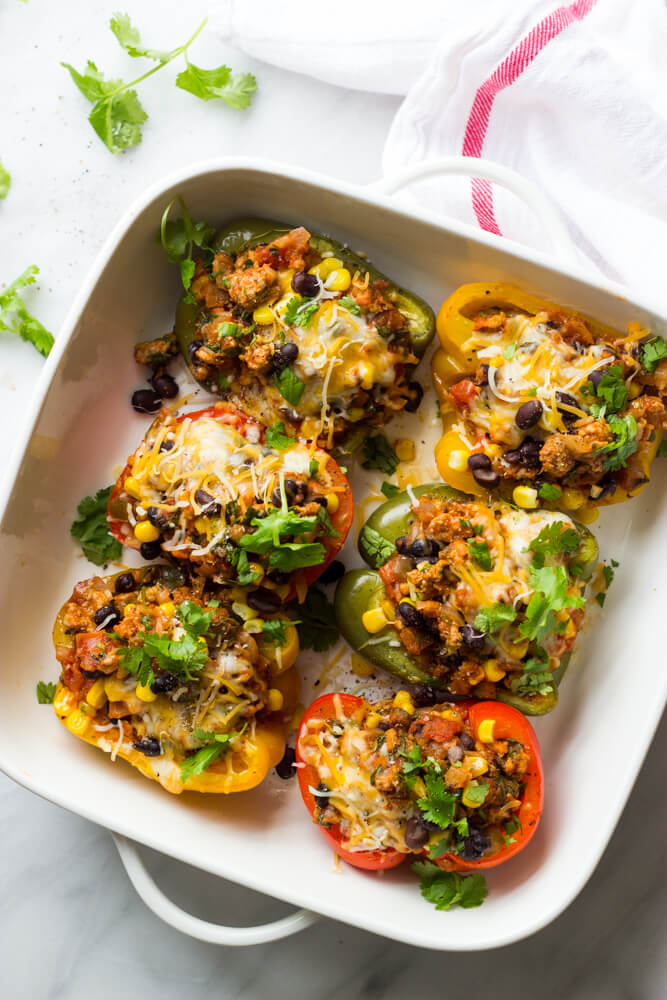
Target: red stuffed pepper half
[[243, 504], [459, 783]]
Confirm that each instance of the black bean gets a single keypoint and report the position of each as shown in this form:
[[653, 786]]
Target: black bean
[[285, 768], [146, 401], [412, 617], [284, 356], [565, 397], [512, 457], [157, 517], [149, 747], [208, 505], [472, 637], [402, 545], [277, 576], [305, 284], [124, 583], [165, 385], [475, 845], [608, 485], [164, 682], [322, 801], [107, 611], [528, 414], [466, 741], [529, 453], [454, 754], [448, 659], [322, 501], [193, 347], [483, 379], [478, 460], [167, 445], [150, 550], [423, 696], [488, 478], [265, 601], [423, 547], [416, 833], [333, 572], [416, 394]]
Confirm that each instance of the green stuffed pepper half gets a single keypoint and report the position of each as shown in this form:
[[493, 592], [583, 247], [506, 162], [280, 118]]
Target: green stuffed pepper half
[[471, 597], [295, 328]]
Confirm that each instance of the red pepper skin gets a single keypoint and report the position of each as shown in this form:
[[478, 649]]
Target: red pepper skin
[[508, 724], [463, 393], [226, 413]]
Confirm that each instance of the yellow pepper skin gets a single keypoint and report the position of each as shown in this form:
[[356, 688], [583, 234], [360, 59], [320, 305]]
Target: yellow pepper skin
[[452, 362]]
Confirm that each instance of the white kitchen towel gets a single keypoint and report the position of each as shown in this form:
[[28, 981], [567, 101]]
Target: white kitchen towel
[[572, 96]]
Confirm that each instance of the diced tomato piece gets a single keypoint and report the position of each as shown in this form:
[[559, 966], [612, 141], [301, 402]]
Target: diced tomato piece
[[463, 393]]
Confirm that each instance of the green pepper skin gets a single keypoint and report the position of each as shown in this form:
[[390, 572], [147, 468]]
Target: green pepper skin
[[251, 232], [362, 589]]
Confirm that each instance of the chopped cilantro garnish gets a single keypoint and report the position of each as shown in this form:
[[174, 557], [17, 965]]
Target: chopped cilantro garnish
[[375, 546], [179, 237], [46, 692], [92, 530], [15, 318], [618, 451], [200, 761], [447, 889], [491, 619], [5, 182], [554, 539], [379, 454], [549, 584], [349, 303], [274, 630], [241, 563], [549, 492], [289, 386], [653, 353], [277, 438], [662, 449], [509, 352], [268, 538], [300, 311], [389, 490], [438, 805], [476, 794], [479, 553], [183, 656], [612, 390]]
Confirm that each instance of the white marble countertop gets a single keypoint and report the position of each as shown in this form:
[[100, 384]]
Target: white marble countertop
[[72, 926]]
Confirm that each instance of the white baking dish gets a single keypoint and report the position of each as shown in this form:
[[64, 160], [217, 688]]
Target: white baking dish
[[82, 429]]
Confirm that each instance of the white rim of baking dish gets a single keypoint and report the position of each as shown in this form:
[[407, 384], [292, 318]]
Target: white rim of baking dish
[[380, 194]]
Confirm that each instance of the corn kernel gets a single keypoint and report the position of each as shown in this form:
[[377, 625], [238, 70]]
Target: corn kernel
[[339, 281], [263, 316], [64, 702], [467, 801], [253, 626], [275, 700], [242, 611], [128, 609], [419, 788], [458, 460], [587, 515], [144, 693], [285, 280], [326, 267], [477, 766], [373, 720], [493, 671], [132, 488], [96, 696], [485, 731], [403, 700], [168, 608], [573, 499], [525, 496], [389, 612], [114, 690], [202, 524], [374, 620], [333, 503], [366, 375], [634, 389], [360, 666], [77, 723], [356, 414], [405, 449], [144, 531]]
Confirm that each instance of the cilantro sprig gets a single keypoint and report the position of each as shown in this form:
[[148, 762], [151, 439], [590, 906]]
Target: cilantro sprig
[[493, 617], [289, 385], [15, 318], [375, 546], [479, 553], [277, 438], [447, 889], [184, 656], [300, 311], [92, 530], [549, 585], [200, 761], [612, 390], [117, 115], [179, 237], [554, 540], [379, 454], [624, 443], [46, 692], [272, 530], [653, 353]]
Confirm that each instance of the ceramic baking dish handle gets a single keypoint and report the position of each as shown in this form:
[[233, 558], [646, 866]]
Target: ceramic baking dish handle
[[471, 166], [173, 915]]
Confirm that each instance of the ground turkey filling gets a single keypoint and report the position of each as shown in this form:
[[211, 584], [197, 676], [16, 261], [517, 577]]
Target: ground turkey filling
[[414, 780], [460, 589], [218, 680], [549, 403], [321, 350]]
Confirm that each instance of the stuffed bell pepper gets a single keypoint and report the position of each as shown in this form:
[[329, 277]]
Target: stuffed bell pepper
[[543, 402], [459, 783], [243, 504], [178, 677], [470, 597], [295, 327]]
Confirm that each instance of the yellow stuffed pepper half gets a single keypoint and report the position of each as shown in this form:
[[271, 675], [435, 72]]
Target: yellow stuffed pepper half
[[180, 678], [544, 403]]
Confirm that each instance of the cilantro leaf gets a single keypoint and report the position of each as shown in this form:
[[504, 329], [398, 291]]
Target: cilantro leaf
[[411, 764], [241, 563], [389, 490], [269, 530], [213, 84], [554, 539], [438, 805], [130, 39], [618, 451], [548, 491], [653, 353], [376, 548], [491, 618], [347, 302], [300, 310], [611, 389], [117, 114], [179, 237], [274, 631], [379, 454], [447, 889], [289, 386], [317, 627], [46, 692], [193, 618], [509, 352], [549, 596], [5, 182], [479, 552], [476, 794], [296, 555], [136, 660], [92, 530], [200, 761], [15, 318], [277, 438]]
